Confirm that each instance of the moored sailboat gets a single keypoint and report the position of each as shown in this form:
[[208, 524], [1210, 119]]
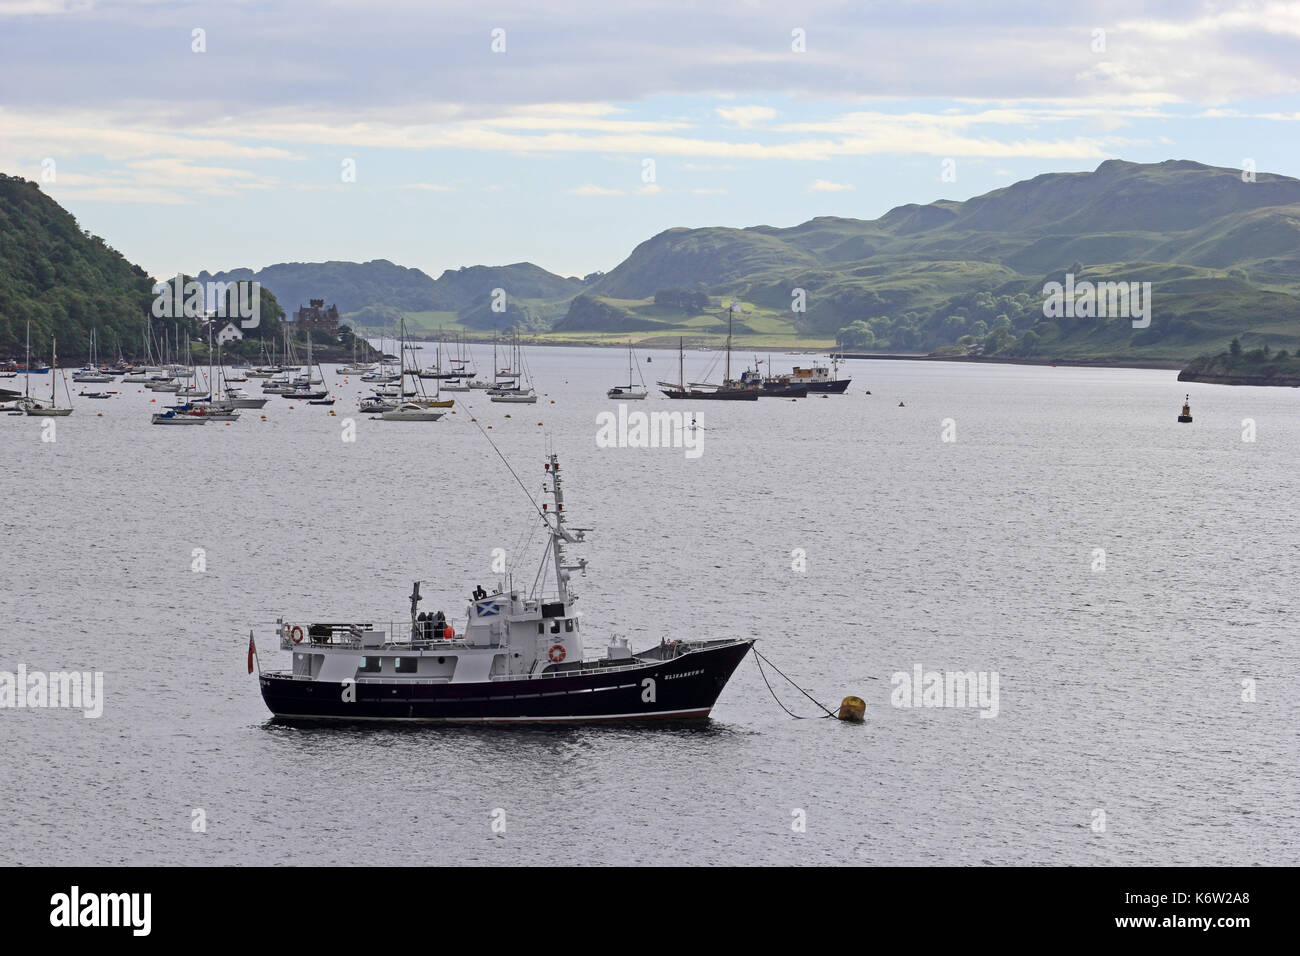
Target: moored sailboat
[[631, 391]]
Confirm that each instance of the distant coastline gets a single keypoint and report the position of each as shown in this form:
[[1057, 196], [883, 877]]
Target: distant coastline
[[1237, 366], [1108, 362]]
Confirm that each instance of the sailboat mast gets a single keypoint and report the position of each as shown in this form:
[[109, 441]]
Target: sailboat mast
[[731, 311]]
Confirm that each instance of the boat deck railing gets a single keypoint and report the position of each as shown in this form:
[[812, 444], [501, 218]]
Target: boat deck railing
[[349, 635]]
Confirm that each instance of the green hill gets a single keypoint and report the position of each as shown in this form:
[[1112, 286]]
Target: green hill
[[62, 279], [375, 294], [1223, 257]]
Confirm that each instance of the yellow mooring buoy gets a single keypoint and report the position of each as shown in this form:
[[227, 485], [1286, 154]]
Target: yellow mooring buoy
[[852, 709]]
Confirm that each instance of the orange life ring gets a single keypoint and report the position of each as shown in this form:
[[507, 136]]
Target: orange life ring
[[296, 634], [556, 653]]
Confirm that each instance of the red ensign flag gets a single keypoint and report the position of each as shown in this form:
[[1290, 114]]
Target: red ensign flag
[[252, 649]]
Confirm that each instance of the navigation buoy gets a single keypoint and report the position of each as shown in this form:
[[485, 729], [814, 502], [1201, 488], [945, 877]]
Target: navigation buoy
[[901, 405], [852, 709], [1186, 415]]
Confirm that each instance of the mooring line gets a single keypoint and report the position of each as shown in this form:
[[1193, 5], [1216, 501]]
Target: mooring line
[[758, 659]]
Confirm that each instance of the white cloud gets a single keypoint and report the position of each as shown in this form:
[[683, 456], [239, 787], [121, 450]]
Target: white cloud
[[825, 186], [590, 189], [746, 116]]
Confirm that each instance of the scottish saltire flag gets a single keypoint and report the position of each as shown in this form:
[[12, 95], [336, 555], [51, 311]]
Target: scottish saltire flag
[[487, 608]]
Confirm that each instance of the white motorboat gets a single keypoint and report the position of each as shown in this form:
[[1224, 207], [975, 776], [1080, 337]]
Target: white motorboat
[[411, 412]]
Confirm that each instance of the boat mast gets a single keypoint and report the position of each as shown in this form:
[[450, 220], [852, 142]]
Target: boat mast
[[731, 311], [560, 534]]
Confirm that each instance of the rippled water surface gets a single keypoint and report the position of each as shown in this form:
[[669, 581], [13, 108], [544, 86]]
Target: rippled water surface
[[1120, 689]]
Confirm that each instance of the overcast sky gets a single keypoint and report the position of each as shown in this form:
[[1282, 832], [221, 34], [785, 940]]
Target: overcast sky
[[302, 131]]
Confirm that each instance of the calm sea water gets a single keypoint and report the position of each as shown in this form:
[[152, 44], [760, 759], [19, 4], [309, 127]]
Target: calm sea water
[[1120, 690]]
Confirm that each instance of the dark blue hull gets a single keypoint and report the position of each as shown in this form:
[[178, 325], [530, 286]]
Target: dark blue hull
[[684, 687]]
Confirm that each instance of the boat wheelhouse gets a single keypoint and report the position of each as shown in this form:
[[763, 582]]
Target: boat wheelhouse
[[517, 658]]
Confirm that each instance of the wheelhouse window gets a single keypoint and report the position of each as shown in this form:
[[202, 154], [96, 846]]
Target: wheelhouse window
[[406, 665], [370, 665], [568, 623], [555, 626]]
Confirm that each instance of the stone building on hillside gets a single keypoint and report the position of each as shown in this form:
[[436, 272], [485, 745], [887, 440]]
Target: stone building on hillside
[[316, 318]]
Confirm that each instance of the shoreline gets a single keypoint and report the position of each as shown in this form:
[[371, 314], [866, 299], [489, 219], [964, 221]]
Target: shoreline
[[1156, 364]]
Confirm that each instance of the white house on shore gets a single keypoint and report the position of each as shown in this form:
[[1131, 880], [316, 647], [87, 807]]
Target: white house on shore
[[229, 333]]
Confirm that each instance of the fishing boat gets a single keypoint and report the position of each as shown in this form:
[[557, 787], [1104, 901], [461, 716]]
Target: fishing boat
[[630, 391], [52, 410], [821, 378], [520, 658], [775, 386]]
